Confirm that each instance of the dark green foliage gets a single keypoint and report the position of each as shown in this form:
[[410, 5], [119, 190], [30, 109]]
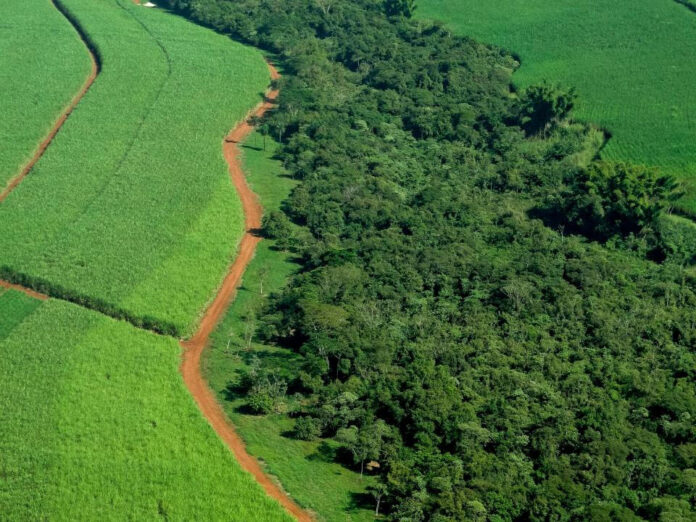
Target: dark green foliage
[[608, 199], [545, 106], [400, 7], [496, 368], [277, 225]]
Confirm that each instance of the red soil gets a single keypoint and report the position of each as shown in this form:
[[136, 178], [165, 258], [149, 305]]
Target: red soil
[[54, 130], [27, 291], [193, 348]]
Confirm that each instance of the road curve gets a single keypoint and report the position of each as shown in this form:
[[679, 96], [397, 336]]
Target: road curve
[[193, 348], [66, 112]]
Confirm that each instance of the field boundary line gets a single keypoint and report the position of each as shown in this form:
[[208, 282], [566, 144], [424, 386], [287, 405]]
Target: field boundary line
[[58, 123], [26, 291], [689, 4], [195, 346], [143, 119]]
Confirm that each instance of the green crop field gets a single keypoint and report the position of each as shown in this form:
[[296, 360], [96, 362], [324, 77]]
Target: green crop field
[[36, 83], [97, 425], [131, 209], [633, 64], [307, 469]]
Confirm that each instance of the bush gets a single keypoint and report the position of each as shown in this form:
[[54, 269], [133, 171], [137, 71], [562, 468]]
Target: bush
[[544, 106], [404, 8], [277, 225], [260, 401], [307, 428]]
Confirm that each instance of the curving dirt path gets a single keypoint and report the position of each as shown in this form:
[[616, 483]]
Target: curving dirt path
[[193, 348], [64, 115]]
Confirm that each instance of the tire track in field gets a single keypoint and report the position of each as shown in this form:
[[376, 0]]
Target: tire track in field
[[159, 92], [95, 70], [143, 119], [194, 347]]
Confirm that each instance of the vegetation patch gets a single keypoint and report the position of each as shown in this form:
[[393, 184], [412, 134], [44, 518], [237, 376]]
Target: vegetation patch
[[97, 425], [631, 63], [14, 307], [479, 358], [131, 209]]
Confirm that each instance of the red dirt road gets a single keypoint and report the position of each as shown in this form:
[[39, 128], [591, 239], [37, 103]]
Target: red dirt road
[[58, 123], [193, 348], [27, 291]]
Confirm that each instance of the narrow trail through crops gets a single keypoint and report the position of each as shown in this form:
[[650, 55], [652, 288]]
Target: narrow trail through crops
[[66, 112], [194, 347]]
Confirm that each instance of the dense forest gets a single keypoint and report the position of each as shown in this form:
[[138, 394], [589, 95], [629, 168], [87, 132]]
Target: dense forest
[[500, 325]]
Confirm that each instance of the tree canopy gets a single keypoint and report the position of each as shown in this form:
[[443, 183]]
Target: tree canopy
[[496, 366]]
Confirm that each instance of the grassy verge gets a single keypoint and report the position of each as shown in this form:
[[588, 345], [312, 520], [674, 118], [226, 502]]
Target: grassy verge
[[631, 62], [97, 425], [43, 64], [307, 470], [131, 209]]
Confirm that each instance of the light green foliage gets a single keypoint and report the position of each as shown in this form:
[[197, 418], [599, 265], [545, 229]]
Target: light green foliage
[[131, 209], [42, 66], [97, 425], [308, 470], [631, 62]]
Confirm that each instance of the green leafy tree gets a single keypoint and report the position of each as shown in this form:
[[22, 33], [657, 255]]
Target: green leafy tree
[[405, 8], [608, 199], [545, 106], [378, 491], [364, 443], [307, 428]]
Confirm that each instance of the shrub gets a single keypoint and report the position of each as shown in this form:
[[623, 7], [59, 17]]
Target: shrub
[[307, 428]]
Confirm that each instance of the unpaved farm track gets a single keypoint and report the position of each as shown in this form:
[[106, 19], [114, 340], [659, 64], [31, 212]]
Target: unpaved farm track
[[193, 348], [66, 112]]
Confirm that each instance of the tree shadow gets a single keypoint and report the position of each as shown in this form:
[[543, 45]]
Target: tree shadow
[[324, 453], [360, 501]]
